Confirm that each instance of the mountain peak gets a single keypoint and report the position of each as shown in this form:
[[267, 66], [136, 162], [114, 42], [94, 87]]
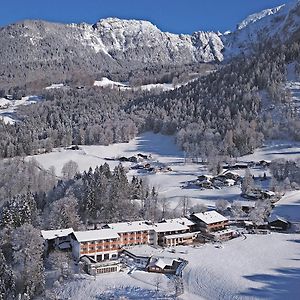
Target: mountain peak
[[258, 16], [113, 23]]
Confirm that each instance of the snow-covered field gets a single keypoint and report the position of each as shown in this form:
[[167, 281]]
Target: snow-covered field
[[138, 285], [259, 267], [289, 206], [105, 82], [163, 149], [8, 107]]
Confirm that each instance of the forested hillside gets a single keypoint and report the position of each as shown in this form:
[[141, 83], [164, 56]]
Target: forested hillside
[[221, 111]]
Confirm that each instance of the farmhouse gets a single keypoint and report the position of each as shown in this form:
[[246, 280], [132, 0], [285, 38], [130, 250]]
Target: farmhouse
[[278, 223], [99, 245], [57, 239], [246, 206], [210, 221]]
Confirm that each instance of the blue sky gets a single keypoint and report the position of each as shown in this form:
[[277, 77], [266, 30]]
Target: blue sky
[[178, 16]]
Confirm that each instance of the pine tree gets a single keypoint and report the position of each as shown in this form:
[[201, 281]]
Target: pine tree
[[64, 214], [7, 280], [28, 258]]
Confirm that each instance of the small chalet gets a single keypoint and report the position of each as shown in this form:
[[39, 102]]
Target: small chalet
[[231, 175], [164, 265], [278, 223], [180, 239], [57, 239], [210, 221], [223, 235]]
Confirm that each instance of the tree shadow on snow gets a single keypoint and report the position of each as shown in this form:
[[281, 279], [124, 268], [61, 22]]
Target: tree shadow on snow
[[284, 153], [284, 284], [157, 144]]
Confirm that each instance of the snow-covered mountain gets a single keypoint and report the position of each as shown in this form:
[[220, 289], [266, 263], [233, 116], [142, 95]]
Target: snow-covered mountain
[[281, 23], [257, 16], [34, 49], [37, 50]]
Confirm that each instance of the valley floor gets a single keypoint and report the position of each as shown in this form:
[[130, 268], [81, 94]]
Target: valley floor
[[248, 267]]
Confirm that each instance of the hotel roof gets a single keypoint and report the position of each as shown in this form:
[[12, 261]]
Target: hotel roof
[[210, 217], [130, 226], [95, 235]]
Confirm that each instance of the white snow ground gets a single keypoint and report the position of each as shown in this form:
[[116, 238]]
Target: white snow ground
[[259, 267], [138, 285], [289, 206], [163, 149], [105, 82]]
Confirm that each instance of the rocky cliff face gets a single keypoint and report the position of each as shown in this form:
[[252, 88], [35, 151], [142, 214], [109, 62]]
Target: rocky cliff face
[[38, 49], [35, 50]]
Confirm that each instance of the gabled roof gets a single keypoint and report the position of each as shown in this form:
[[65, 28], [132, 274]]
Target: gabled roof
[[162, 262], [274, 218], [95, 235], [210, 217], [57, 233]]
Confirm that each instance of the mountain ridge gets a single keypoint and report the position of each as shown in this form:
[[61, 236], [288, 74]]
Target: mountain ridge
[[33, 50]]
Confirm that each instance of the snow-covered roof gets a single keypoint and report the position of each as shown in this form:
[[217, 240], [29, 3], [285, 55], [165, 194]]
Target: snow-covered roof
[[270, 193], [130, 226], [95, 235], [143, 250], [244, 203], [210, 217], [52, 234], [169, 226], [162, 262], [230, 172], [183, 221], [273, 218]]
